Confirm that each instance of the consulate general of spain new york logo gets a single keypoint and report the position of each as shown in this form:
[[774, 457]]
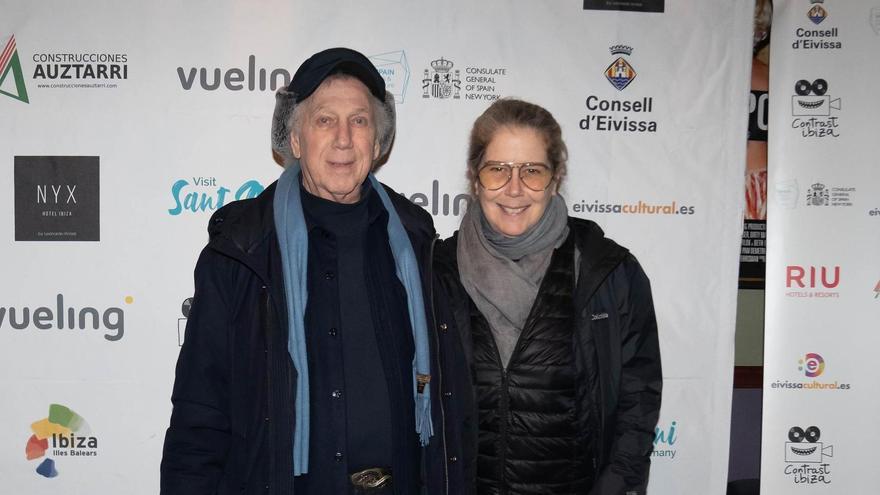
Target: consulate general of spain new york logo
[[440, 81]]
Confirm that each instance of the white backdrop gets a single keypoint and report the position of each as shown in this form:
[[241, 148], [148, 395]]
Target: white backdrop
[[823, 272], [190, 122]]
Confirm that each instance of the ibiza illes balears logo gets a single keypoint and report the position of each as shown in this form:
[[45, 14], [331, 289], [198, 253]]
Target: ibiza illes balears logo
[[57, 198], [620, 73], [805, 456], [811, 108], [11, 76], [63, 433], [817, 12], [877, 290], [441, 81]]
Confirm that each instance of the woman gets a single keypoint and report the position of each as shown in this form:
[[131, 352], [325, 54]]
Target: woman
[[555, 320]]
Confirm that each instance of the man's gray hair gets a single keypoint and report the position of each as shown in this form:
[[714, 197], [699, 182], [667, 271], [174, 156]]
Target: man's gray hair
[[288, 118]]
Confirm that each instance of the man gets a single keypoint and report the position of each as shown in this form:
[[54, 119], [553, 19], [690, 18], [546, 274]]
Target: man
[[312, 361]]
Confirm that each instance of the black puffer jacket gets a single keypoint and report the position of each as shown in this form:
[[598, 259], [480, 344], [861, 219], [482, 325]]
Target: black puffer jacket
[[615, 363], [232, 424]]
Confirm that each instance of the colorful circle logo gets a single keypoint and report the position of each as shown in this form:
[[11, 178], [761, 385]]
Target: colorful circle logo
[[812, 365]]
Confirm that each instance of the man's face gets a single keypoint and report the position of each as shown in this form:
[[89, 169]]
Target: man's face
[[336, 143]]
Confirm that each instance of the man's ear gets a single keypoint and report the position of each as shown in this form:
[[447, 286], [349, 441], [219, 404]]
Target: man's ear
[[295, 145]]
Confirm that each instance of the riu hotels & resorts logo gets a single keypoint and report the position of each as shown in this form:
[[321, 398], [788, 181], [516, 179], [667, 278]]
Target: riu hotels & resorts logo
[[812, 281], [63, 433], [11, 76]]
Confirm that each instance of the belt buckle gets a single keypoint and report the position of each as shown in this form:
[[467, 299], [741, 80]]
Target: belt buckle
[[372, 478]]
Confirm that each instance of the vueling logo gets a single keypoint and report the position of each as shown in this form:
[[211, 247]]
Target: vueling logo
[[10, 65]]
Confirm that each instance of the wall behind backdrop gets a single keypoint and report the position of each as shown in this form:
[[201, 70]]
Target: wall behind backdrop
[[126, 124]]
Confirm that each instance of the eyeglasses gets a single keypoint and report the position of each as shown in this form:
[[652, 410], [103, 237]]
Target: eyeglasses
[[494, 175]]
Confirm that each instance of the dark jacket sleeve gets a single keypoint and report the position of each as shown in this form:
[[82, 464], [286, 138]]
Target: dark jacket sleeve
[[197, 440], [640, 387]]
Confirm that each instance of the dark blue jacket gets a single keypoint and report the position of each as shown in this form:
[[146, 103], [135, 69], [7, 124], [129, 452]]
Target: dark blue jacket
[[232, 423]]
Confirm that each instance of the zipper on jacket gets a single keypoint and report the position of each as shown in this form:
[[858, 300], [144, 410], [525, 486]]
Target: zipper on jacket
[[270, 428], [430, 278], [505, 419]]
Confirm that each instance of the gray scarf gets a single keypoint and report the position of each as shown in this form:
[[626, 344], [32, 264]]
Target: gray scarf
[[503, 274]]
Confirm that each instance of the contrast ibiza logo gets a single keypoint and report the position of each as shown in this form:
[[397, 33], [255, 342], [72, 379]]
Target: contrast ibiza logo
[[812, 365], [395, 71], [181, 322], [811, 108], [805, 456], [57, 198], [441, 81], [877, 290], [817, 12], [63, 433], [11, 76], [837, 196], [620, 73]]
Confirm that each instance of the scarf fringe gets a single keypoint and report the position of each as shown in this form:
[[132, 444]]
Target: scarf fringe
[[424, 424]]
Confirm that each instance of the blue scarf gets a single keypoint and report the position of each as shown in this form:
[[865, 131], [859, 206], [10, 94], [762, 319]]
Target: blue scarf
[[293, 239]]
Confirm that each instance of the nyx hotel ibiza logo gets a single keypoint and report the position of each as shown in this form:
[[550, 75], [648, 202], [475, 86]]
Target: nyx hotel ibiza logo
[[812, 109], [805, 457], [57, 198], [11, 76]]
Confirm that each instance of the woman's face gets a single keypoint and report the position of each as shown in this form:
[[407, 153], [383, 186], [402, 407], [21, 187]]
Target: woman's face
[[515, 208]]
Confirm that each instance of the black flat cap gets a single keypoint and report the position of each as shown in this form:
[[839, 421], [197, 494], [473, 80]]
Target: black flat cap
[[313, 71]]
